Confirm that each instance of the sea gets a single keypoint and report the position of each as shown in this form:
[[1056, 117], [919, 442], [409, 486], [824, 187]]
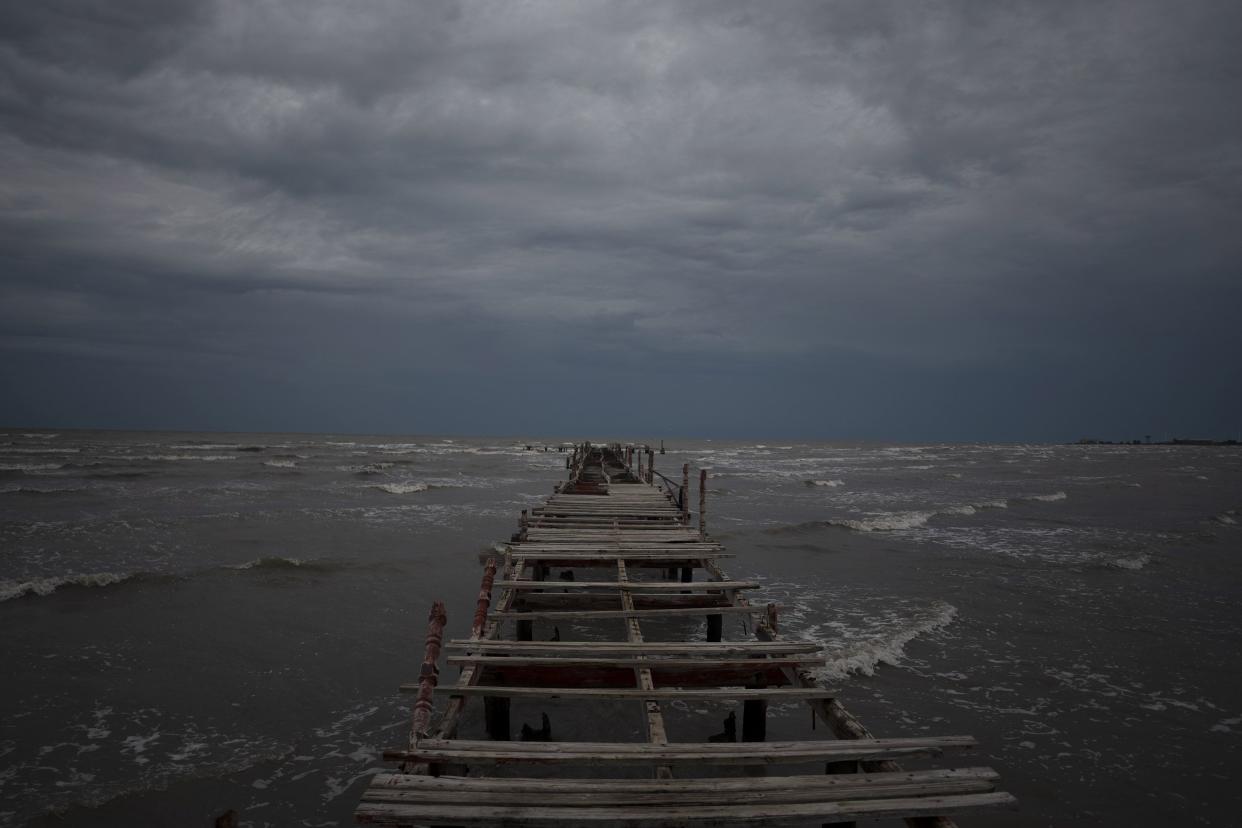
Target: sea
[[196, 622]]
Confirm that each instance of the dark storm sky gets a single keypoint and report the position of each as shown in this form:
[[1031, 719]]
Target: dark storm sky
[[898, 220]]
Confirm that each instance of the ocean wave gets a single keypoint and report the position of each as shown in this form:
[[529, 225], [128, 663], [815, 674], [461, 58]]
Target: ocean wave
[[34, 490], [866, 657], [206, 447], [171, 458], [281, 464], [401, 488], [1045, 498], [46, 586], [366, 468], [830, 483], [1135, 562], [1228, 517], [41, 436], [280, 562], [891, 521], [42, 450], [25, 467]]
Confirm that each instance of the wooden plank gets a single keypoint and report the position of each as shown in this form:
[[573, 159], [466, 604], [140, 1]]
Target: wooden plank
[[598, 693], [691, 648], [636, 586], [819, 785], [656, 733], [620, 613], [674, 817], [710, 791], [650, 663], [709, 753]]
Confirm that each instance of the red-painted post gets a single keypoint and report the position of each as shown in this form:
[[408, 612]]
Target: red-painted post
[[429, 675]]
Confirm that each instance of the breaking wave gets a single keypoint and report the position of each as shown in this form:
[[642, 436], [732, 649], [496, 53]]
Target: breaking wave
[[1133, 563], [34, 490], [401, 488], [895, 521], [1046, 498], [25, 467], [830, 483], [277, 562], [867, 656], [46, 586], [170, 458], [367, 468], [281, 464]]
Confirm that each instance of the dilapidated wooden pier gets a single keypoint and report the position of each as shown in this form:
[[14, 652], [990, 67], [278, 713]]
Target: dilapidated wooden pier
[[615, 548]]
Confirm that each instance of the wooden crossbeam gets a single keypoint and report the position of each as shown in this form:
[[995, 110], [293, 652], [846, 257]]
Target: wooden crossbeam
[[636, 586], [478, 816], [531, 615], [708, 753], [598, 693], [705, 791], [681, 648], [650, 663]]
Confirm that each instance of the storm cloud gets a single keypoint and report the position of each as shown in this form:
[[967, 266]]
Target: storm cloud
[[849, 219]]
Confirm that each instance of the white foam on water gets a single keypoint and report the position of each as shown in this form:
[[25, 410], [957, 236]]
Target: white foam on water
[[894, 521], [30, 466], [173, 458], [865, 657], [281, 464], [1226, 725], [39, 491], [21, 450], [1135, 562], [367, 468], [46, 586], [1044, 498], [830, 483], [401, 488]]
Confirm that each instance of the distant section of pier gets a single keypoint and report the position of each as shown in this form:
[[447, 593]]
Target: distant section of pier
[[614, 557]]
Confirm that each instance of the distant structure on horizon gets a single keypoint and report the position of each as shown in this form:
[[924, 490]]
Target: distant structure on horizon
[[1176, 441]]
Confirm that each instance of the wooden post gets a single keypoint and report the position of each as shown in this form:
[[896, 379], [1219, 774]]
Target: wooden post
[[429, 674], [703, 502], [650, 466], [685, 492]]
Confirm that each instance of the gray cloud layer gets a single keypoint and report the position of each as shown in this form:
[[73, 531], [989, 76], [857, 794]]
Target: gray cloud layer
[[848, 219]]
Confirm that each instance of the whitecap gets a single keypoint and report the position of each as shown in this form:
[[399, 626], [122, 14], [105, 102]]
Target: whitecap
[[1046, 498], [46, 586], [1133, 563], [30, 466], [890, 650], [401, 488]]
